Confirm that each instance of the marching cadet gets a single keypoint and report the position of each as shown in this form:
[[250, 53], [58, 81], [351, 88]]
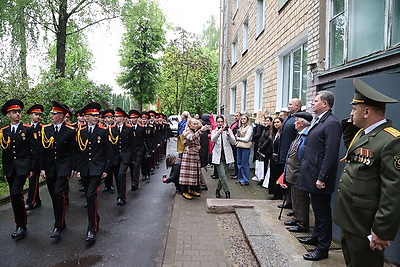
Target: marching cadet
[[94, 152], [121, 136], [367, 207], [156, 139], [108, 116], [149, 145], [18, 157], [138, 148], [33, 201], [57, 161]]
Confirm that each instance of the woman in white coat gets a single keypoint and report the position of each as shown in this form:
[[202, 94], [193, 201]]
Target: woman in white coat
[[222, 153]]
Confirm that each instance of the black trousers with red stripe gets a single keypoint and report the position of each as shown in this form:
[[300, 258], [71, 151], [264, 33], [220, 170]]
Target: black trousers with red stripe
[[57, 187], [16, 184], [33, 191], [92, 185], [119, 172]]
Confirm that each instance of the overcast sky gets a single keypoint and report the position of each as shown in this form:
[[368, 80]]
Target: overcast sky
[[104, 41]]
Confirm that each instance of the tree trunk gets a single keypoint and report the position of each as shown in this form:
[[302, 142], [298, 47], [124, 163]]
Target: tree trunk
[[61, 38], [23, 47]]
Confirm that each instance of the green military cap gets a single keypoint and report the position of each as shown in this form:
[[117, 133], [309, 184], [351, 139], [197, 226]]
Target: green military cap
[[365, 94]]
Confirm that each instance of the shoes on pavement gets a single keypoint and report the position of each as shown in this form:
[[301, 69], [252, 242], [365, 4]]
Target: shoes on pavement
[[255, 178], [309, 241], [90, 236], [213, 176], [143, 178], [28, 207], [82, 189], [19, 232], [205, 188], [260, 183], [56, 233], [85, 205], [121, 202], [112, 189], [187, 196], [194, 193], [290, 222], [290, 213], [234, 177], [285, 206], [134, 188], [106, 189], [227, 195], [316, 255], [298, 229], [218, 193]]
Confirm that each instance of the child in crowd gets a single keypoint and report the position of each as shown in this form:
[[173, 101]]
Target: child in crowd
[[175, 164]]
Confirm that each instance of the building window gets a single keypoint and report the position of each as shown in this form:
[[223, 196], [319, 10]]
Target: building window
[[233, 100], [234, 51], [260, 19], [258, 90], [294, 75], [244, 97], [281, 3], [235, 6], [352, 22], [245, 35]]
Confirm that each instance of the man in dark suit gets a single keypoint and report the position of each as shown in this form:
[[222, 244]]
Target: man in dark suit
[[138, 148], [33, 200], [121, 137], [19, 153], [367, 207], [288, 134], [93, 163], [318, 172], [58, 149]]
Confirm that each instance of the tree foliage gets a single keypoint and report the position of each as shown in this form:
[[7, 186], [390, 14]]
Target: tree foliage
[[188, 72], [143, 40]]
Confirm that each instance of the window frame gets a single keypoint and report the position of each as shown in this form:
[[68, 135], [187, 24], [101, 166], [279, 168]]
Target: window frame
[[234, 51], [232, 100], [260, 20], [243, 104], [258, 89], [245, 32]]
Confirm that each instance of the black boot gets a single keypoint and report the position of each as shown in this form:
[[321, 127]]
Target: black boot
[[228, 194], [217, 193]]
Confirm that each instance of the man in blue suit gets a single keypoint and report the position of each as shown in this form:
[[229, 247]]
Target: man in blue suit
[[318, 172]]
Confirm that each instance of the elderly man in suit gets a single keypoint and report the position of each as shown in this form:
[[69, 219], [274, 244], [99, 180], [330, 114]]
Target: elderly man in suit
[[368, 202], [318, 172]]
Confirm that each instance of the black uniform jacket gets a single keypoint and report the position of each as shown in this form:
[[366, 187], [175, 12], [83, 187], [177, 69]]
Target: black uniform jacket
[[58, 152], [149, 138], [19, 150], [122, 143], [138, 139], [94, 151]]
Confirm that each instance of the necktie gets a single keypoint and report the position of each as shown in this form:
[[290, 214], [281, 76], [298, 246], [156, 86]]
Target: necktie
[[120, 128], [90, 129], [13, 129], [56, 130]]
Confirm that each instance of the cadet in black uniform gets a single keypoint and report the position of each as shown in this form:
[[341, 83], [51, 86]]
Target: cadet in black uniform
[[108, 116], [19, 151], [138, 148], [33, 201], [57, 161], [149, 146], [121, 136], [94, 152]]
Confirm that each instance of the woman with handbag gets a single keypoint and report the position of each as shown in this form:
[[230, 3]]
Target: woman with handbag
[[243, 145], [222, 155], [276, 168]]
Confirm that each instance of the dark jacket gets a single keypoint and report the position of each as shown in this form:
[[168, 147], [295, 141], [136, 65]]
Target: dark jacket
[[320, 158], [265, 143], [58, 157], [123, 146], [138, 140], [174, 174], [19, 150], [94, 157], [288, 134]]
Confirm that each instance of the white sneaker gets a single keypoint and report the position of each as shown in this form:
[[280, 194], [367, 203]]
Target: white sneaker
[[255, 178]]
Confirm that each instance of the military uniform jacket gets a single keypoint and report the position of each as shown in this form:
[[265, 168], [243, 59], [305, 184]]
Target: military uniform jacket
[[37, 136], [20, 150], [94, 151], [138, 139], [149, 138], [58, 152], [122, 143], [369, 189]]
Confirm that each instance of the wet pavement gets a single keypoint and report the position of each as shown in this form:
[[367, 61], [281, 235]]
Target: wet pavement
[[132, 235]]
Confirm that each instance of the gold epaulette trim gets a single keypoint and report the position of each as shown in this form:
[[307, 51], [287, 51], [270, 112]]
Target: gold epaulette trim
[[392, 131]]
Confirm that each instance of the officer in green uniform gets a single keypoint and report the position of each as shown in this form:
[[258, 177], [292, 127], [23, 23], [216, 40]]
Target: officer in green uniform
[[367, 207]]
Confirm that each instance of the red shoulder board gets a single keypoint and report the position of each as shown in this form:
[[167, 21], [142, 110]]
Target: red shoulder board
[[83, 127], [128, 125], [112, 126], [102, 126], [27, 125], [47, 125], [5, 127], [141, 125], [41, 124]]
